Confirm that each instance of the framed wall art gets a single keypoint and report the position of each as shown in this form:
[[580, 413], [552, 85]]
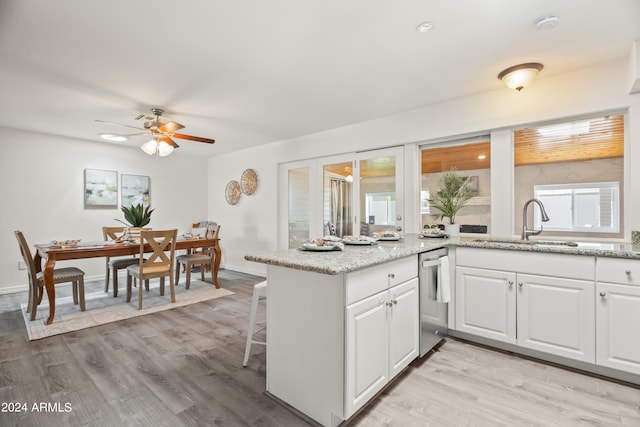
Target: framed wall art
[[134, 189], [100, 188]]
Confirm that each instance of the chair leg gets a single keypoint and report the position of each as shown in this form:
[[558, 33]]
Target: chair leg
[[81, 293], [74, 286], [140, 296], [115, 282], [202, 267], [128, 287], [177, 279], [162, 286], [34, 302], [146, 285], [188, 275], [172, 289], [106, 280], [252, 321]]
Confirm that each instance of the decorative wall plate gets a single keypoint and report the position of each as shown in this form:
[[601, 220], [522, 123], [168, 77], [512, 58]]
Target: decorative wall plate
[[233, 192], [249, 181]]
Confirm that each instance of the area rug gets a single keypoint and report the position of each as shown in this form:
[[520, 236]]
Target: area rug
[[102, 307]]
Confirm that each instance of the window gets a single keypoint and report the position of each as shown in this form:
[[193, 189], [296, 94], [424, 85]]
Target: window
[[591, 207], [381, 208], [577, 169]]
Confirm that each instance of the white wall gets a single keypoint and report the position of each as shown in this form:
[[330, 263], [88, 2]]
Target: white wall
[[42, 194], [251, 226]]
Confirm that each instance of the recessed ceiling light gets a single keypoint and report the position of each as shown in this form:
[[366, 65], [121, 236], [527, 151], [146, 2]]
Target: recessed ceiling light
[[425, 27], [546, 22], [113, 137]]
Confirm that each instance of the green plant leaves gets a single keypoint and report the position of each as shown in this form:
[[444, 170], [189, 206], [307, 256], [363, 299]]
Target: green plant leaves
[[137, 215], [453, 194]]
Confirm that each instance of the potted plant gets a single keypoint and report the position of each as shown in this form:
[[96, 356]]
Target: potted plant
[[137, 216], [453, 194]]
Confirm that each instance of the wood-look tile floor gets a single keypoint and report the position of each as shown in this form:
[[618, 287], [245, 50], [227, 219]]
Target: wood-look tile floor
[[183, 367]]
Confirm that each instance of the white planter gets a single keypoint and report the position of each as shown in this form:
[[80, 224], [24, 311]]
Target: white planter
[[453, 230]]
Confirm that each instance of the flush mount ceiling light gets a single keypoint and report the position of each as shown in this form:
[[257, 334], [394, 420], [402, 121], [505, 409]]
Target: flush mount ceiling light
[[425, 27], [113, 137], [521, 75]]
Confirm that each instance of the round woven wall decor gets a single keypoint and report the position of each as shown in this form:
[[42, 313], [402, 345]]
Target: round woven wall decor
[[249, 181], [232, 192]]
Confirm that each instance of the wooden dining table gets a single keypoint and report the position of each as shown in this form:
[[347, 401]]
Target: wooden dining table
[[52, 254]]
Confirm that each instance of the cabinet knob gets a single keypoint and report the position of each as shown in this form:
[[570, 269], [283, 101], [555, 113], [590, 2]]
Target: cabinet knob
[[628, 272], [395, 301], [510, 283], [520, 284], [603, 294], [392, 276], [389, 304]]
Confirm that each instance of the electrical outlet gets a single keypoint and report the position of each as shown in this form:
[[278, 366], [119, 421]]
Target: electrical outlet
[[21, 265]]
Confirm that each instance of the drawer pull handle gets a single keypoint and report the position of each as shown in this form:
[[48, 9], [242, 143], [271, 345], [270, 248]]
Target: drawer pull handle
[[603, 294], [389, 304]]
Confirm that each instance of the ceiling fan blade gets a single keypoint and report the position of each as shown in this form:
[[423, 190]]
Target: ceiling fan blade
[[119, 124], [168, 140], [193, 138], [170, 127]]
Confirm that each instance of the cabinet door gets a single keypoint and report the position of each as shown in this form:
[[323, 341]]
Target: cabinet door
[[404, 323], [367, 361], [618, 317], [486, 303], [557, 316]]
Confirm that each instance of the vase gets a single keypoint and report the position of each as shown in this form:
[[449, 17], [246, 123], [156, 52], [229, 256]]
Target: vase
[[453, 230], [134, 234]]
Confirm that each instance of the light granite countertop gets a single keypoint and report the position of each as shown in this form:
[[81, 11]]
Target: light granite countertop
[[357, 257]]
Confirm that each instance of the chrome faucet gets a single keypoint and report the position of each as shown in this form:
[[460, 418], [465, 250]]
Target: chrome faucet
[[525, 231]]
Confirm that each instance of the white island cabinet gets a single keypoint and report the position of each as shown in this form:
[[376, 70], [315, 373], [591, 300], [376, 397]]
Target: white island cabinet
[[334, 340], [618, 314]]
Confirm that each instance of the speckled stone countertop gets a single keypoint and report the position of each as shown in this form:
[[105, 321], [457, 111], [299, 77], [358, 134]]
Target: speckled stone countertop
[[357, 257]]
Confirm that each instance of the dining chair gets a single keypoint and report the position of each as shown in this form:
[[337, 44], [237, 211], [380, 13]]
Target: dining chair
[[60, 275], [115, 264], [157, 264], [206, 258]]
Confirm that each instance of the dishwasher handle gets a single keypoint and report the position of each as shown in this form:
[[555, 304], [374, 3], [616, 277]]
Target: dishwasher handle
[[431, 263]]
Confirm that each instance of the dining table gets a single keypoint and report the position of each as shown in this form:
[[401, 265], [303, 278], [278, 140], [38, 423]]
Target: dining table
[[52, 253]]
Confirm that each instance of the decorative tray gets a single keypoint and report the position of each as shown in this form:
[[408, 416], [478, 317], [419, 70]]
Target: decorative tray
[[57, 244]]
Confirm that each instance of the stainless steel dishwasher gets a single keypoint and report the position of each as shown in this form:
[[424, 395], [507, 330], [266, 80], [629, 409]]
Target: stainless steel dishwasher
[[434, 297]]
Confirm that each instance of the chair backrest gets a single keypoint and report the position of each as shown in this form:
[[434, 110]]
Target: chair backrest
[[213, 231], [28, 259], [161, 241], [112, 233]]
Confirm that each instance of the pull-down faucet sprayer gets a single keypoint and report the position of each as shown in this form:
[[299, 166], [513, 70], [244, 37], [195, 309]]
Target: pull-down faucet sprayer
[[525, 231]]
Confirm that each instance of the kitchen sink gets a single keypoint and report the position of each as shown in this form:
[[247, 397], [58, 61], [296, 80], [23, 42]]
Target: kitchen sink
[[539, 243]]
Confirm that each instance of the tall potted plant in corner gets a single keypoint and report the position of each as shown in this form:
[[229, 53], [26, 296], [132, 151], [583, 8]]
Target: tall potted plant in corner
[[453, 194], [137, 216]]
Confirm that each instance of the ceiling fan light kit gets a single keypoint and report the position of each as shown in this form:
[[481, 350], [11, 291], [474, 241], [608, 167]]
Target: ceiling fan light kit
[[161, 142]]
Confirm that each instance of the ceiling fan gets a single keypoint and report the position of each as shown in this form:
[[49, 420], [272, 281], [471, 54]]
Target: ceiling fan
[[162, 133]]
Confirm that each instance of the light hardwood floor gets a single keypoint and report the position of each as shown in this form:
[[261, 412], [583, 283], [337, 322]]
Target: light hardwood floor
[[183, 367]]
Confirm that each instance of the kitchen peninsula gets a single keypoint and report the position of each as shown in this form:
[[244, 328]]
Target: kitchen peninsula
[[317, 365]]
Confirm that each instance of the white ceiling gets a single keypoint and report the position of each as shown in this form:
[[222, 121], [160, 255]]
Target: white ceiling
[[249, 72]]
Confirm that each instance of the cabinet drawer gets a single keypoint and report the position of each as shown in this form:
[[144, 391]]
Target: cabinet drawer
[[618, 270], [368, 281]]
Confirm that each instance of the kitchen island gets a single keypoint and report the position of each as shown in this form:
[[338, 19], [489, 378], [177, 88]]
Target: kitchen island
[[342, 324]]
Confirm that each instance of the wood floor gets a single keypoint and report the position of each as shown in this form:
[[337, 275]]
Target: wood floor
[[183, 367]]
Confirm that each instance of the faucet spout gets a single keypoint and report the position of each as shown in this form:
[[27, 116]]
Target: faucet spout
[[545, 218]]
